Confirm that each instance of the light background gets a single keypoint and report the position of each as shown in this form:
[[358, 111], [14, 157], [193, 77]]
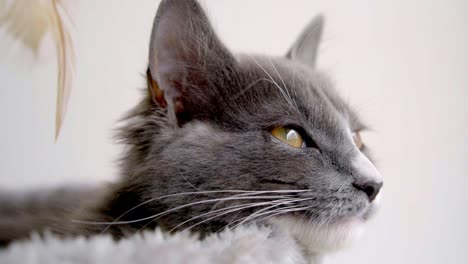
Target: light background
[[402, 64]]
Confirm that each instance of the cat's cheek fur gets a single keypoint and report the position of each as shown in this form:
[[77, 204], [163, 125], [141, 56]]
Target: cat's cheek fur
[[320, 239]]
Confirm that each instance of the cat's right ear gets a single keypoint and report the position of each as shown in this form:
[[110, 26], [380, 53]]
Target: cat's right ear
[[186, 60], [305, 48]]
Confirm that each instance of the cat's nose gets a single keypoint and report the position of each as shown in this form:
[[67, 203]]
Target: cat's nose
[[366, 177], [371, 188]]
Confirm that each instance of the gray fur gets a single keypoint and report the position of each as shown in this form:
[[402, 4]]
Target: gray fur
[[24, 212], [214, 132], [305, 48]]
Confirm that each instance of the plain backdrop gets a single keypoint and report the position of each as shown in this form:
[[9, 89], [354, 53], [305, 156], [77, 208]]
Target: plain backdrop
[[402, 64]]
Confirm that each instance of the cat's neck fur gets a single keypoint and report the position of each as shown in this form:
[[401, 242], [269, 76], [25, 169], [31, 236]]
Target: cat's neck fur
[[284, 237]]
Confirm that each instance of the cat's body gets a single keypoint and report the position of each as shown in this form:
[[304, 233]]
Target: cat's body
[[201, 151]]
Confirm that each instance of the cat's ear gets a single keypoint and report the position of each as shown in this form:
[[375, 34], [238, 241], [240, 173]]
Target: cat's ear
[[306, 46], [186, 59]]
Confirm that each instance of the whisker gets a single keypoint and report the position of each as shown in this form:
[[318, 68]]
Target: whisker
[[281, 78], [238, 221], [242, 206], [188, 182], [229, 209], [259, 212], [245, 89], [202, 202], [176, 208], [246, 194], [288, 210], [181, 194], [274, 82]]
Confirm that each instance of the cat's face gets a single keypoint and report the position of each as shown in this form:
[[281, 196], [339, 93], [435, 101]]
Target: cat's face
[[216, 126]]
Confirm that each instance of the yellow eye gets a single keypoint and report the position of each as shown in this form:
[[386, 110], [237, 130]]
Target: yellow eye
[[289, 136], [358, 140]]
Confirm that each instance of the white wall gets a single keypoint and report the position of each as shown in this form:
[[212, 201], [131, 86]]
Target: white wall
[[403, 64]]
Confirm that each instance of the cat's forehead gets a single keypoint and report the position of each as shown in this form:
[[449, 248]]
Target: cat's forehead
[[303, 91]]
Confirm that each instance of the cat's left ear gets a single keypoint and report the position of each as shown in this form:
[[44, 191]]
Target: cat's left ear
[[306, 46]]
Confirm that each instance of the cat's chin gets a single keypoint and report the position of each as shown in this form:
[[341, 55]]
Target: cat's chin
[[320, 239]]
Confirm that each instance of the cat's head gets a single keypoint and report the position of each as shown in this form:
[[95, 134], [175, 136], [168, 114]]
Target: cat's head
[[223, 139]]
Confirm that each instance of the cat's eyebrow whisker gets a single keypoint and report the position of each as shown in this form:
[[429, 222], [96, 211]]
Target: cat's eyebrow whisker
[[274, 82], [281, 78], [241, 92], [294, 83]]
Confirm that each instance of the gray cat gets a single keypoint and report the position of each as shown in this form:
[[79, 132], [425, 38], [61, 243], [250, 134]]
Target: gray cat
[[221, 140]]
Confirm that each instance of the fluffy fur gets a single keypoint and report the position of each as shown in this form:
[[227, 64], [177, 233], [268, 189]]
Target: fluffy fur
[[244, 245], [200, 155], [205, 125]]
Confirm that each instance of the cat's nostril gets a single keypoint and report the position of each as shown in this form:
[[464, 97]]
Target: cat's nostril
[[369, 188]]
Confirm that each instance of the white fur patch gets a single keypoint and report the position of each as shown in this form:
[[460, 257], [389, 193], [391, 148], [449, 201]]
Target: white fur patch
[[320, 239], [243, 245]]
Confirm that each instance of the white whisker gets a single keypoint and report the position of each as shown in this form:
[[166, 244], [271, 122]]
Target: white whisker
[[241, 92], [259, 212], [174, 209], [246, 194], [284, 211], [189, 193], [281, 78], [274, 82], [243, 206], [228, 210], [188, 182]]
